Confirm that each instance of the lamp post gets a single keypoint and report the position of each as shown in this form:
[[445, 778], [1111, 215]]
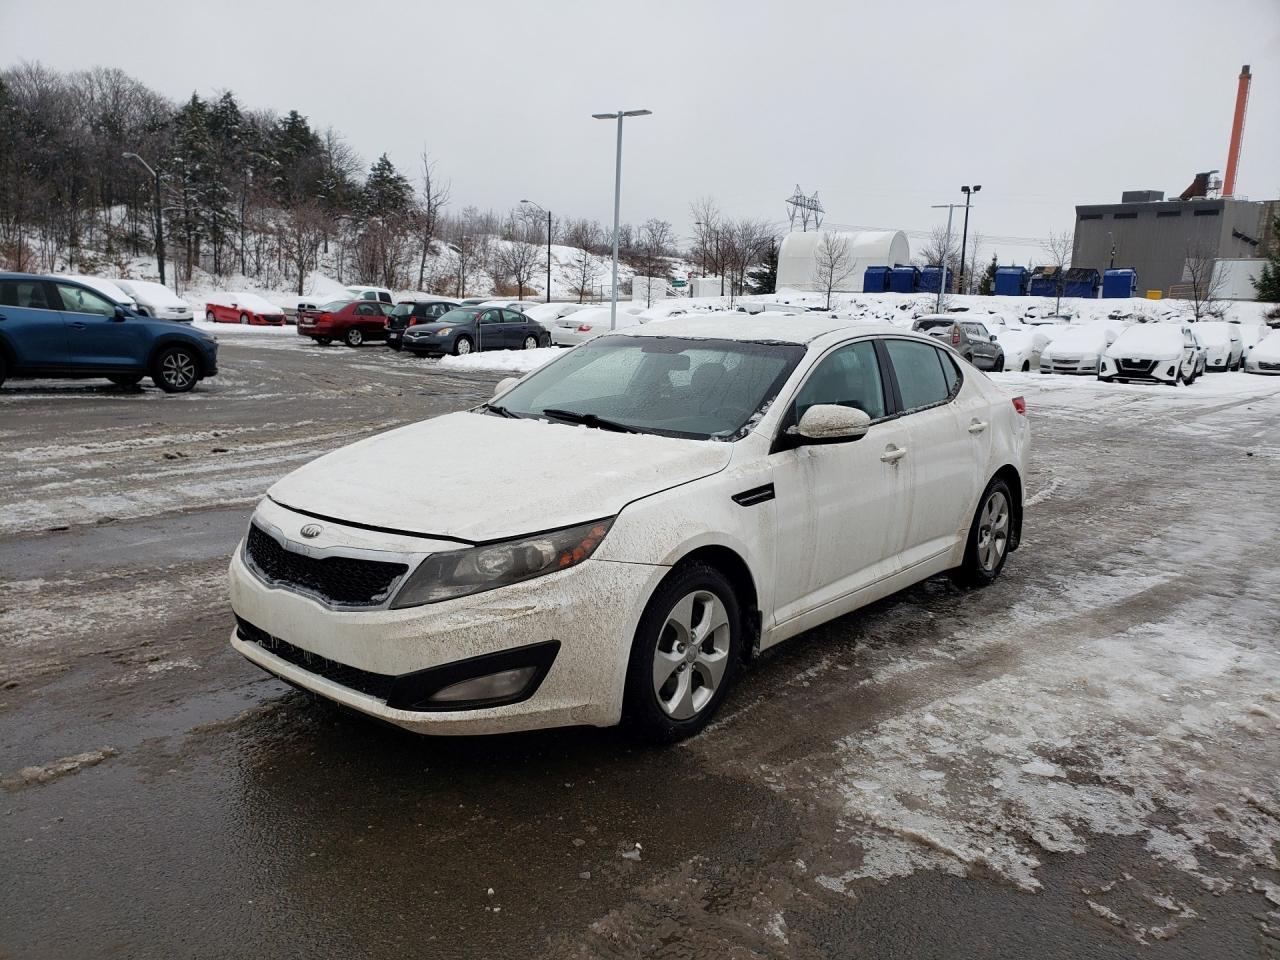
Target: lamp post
[[964, 236], [548, 213], [159, 216], [942, 273], [617, 202]]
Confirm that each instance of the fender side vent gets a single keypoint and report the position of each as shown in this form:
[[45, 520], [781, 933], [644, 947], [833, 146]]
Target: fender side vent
[[749, 498]]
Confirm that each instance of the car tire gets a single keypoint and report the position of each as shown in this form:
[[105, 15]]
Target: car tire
[[1102, 379], [175, 369], [125, 379], [461, 346], [987, 546], [209, 317], [323, 341], [1026, 366], [998, 366], [244, 319], [531, 342], [664, 709], [354, 337]]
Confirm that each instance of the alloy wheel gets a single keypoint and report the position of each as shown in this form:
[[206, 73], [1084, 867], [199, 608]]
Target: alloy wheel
[[691, 654], [530, 342], [993, 530], [464, 347], [178, 370]]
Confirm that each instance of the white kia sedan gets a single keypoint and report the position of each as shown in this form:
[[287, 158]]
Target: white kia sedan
[[724, 483]]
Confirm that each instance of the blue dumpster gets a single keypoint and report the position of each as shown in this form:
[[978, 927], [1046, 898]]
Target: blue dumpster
[[1119, 282], [1012, 281], [1044, 282], [904, 280], [931, 278], [875, 280], [1082, 282]]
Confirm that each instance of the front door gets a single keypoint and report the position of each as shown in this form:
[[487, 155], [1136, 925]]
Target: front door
[[489, 330], [96, 337], [31, 323], [841, 507]]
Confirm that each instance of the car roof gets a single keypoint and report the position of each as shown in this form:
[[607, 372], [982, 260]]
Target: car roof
[[778, 328]]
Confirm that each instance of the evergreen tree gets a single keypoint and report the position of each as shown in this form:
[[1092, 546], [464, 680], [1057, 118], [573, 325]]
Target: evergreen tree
[[987, 285], [765, 278], [1267, 284], [386, 191]]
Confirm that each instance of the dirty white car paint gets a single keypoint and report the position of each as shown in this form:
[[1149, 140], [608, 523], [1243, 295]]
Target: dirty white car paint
[[810, 517]]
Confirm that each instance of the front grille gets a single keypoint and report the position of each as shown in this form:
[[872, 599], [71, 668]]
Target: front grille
[[1136, 366], [339, 581], [362, 681], [1264, 365]]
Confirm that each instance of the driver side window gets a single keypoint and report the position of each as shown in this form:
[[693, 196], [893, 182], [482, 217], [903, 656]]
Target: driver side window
[[849, 377], [79, 300]]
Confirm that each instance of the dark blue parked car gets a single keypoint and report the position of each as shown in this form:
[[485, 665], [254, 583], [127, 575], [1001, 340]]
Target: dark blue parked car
[[55, 327]]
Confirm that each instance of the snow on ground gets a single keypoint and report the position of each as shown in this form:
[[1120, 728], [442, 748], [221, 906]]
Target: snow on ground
[[503, 361]]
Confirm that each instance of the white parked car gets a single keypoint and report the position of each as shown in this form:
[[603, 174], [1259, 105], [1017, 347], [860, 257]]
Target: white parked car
[[1265, 355], [723, 485], [1077, 349], [370, 293], [1022, 346], [156, 300], [1160, 352], [548, 313], [107, 288], [1250, 334], [1223, 344], [587, 324]]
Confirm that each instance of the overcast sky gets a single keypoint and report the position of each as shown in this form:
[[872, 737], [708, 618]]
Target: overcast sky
[[882, 108]]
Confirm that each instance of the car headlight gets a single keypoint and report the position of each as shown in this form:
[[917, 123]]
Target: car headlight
[[444, 331], [460, 573]]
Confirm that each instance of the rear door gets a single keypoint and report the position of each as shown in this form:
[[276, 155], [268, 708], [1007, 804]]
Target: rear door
[[489, 330], [940, 448], [96, 337], [984, 351], [521, 327], [368, 317], [31, 324]]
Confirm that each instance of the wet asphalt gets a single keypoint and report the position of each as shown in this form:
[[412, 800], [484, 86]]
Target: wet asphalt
[[235, 817]]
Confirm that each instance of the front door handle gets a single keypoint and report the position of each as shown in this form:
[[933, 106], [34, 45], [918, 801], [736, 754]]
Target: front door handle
[[893, 453], [977, 426], [77, 325]]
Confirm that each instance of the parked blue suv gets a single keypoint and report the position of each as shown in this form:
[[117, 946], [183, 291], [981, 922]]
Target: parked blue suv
[[55, 327]]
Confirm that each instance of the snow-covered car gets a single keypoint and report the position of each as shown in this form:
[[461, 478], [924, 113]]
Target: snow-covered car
[[512, 304], [242, 307], [108, 288], [1077, 349], [1160, 352], [587, 324], [1250, 334], [1265, 355], [638, 592], [156, 300], [1022, 347], [370, 293], [1224, 347], [666, 309], [548, 313]]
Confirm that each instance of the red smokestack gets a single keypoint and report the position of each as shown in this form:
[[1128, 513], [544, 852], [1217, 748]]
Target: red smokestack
[[1237, 132]]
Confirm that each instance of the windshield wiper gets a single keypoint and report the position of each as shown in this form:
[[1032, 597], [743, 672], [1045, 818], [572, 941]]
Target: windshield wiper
[[500, 410], [588, 420]]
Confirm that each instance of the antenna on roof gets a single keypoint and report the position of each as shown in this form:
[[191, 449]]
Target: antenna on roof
[[807, 210]]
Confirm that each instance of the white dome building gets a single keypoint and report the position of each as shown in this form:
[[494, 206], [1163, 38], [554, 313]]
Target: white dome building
[[797, 257]]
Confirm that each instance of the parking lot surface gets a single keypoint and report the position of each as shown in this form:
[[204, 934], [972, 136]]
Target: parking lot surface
[[1081, 760]]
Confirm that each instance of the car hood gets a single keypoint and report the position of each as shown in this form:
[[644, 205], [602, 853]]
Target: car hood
[[437, 327], [477, 478]]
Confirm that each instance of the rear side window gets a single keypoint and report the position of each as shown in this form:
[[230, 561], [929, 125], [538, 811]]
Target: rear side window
[[366, 310], [24, 293], [925, 376], [848, 377], [511, 316]]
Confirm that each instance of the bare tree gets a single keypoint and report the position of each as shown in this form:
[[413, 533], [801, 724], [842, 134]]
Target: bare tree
[[585, 263], [649, 258], [832, 263], [302, 233], [462, 261], [1058, 248], [517, 261], [745, 243], [434, 197], [1206, 284], [970, 271]]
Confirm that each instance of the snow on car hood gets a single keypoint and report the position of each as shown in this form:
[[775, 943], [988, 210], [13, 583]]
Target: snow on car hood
[[475, 477], [1267, 349], [1149, 341], [1080, 340]]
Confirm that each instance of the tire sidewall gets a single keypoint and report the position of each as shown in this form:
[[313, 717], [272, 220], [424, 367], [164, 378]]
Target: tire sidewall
[[971, 572], [157, 376], [642, 713], [457, 352], [354, 337]]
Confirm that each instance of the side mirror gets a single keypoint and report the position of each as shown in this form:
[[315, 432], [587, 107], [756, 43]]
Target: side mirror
[[119, 313], [831, 423], [505, 384], [993, 338]]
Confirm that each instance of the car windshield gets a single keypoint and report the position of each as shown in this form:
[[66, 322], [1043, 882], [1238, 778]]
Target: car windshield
[[672, 386], [460, 315]]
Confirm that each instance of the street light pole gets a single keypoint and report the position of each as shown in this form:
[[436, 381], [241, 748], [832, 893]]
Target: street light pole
[[964, 236], [617, 202], [942, 273], [159, 216], [548, 213]]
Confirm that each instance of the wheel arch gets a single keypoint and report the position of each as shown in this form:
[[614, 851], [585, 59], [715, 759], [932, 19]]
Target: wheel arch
[[729, 562], [1010, 475], [174, 340]]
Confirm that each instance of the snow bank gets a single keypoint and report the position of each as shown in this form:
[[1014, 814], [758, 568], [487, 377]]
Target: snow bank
[[503, 361]]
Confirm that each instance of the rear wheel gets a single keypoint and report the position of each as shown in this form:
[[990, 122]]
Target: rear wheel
[[244, 318], [988, 544], [998, 366], [209, 317], [462, 346], [1026, 366], [126, 379], [686, 655], [354, 337], [530, 342], [175, 370]]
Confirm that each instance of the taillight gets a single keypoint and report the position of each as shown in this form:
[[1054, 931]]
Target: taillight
[[955, 336], [585, 328], [1020, 405]]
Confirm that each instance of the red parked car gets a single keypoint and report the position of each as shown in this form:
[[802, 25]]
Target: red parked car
[[242, 308], [351, 321]]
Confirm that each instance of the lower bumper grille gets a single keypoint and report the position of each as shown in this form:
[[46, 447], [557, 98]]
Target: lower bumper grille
[[1264, 365], [339, 581], [376, 685]]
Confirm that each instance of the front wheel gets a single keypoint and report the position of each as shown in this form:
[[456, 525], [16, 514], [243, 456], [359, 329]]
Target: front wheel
[[998, 366], [209, 317], [988, 545], [1026, 366], [175, 370], [686, 655], [354, 337], [530, 342], [462, 346], [244, 319]]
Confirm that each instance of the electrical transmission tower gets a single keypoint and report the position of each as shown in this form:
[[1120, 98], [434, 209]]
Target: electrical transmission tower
[[807, 210]]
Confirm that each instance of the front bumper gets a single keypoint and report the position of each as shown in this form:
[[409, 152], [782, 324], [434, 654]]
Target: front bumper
[[1262, 366], [1085, 366], [591, 611]]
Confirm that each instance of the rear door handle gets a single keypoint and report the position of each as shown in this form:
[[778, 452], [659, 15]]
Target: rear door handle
[[892, 454], [77, 325], [976, 427]]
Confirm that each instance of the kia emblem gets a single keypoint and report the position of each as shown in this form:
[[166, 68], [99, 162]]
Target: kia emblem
[[312, 530]]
